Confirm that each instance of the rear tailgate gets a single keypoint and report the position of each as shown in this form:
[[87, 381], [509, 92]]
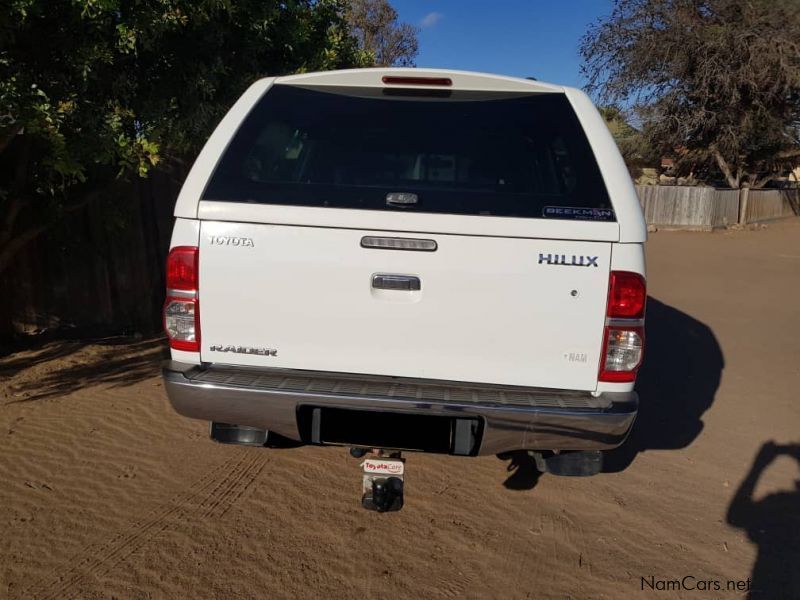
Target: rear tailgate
[[489, 309], [506, 185]]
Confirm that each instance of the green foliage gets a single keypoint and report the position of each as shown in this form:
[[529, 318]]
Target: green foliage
[[633, 144], [97, 90]]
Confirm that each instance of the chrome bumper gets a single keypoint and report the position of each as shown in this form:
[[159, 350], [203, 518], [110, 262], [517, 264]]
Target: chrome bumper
[[513, 418]]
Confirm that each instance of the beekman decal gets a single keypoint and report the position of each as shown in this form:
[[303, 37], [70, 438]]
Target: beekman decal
[[568, 261], [578, 213]]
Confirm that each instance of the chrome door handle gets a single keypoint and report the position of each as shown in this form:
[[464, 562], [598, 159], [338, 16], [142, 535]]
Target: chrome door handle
[[387, 281]]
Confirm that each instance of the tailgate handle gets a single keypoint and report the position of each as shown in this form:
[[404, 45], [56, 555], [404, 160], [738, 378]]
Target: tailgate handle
[[386, 281]]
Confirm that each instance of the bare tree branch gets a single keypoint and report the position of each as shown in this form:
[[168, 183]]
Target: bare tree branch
[[762, 181], [725, 168], [375, 26], [788, 154]]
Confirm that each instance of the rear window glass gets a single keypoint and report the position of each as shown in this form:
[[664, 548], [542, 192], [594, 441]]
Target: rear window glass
[[444, 152]]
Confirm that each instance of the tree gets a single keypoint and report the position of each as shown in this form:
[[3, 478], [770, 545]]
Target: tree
[[715, 82], [375, 26], [633, 144], [94, 92]]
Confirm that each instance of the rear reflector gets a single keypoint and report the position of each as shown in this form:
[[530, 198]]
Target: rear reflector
[[623, 338], [395, 80], [181, 308]]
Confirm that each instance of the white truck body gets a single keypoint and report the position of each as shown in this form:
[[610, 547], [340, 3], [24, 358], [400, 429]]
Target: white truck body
[[503, 300]]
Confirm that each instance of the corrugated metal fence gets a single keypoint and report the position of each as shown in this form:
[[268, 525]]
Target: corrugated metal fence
[[707, 207]]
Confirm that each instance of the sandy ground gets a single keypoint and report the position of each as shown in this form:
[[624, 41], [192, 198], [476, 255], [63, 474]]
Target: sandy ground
[[106, 493]]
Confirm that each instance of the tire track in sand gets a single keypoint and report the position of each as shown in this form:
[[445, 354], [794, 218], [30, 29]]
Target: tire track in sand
[[210, 496], [455, 585]]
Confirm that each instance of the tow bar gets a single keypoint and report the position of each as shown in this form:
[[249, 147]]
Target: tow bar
[[382, 480]]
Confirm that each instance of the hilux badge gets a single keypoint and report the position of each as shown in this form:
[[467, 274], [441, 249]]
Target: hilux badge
[[571, 260]]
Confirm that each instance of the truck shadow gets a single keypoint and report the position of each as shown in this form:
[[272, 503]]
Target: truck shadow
[[677, 384]]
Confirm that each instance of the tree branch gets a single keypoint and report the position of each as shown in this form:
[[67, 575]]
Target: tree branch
[[761, 182], [788, 154], [725, 168]]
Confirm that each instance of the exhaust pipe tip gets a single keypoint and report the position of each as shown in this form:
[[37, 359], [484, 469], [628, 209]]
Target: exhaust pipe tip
[[242, 435]]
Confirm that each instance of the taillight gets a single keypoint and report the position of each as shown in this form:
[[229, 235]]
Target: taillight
[[627, 293], [181, 308], [623, 338], [182, 269]]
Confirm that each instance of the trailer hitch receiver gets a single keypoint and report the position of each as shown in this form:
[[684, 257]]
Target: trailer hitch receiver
[[382, 483]]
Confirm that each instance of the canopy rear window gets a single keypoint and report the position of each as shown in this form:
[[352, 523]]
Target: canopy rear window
[[478, 153]]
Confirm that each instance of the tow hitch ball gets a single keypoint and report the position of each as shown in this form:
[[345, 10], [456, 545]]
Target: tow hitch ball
[[386, 495], [382, 480]]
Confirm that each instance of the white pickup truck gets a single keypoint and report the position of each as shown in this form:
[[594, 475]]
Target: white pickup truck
[[410, 259]]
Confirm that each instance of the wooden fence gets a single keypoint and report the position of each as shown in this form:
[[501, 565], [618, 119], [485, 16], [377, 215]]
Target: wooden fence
[[687, 207], [765, 205], [89, 275], [693, 207]]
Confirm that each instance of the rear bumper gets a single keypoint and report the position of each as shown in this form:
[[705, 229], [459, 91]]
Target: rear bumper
[[513, 418]]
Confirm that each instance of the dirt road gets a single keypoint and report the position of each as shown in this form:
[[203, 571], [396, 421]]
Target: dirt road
[[105, 492]]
